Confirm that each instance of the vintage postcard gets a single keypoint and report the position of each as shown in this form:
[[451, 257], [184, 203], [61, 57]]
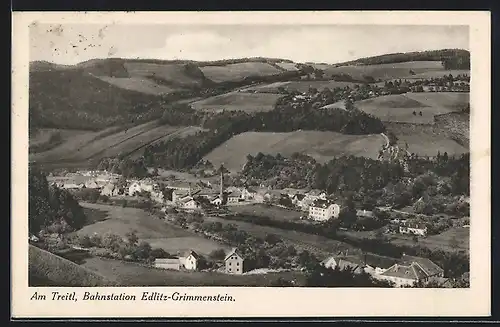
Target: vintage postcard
[[251, 164]]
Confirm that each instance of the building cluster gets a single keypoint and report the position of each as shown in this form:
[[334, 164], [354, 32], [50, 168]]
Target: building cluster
[[407, 271]]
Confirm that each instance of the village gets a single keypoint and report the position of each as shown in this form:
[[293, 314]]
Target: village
[[213, 198]]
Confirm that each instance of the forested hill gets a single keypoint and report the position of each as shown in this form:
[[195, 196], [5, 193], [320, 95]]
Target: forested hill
[[452, 58]]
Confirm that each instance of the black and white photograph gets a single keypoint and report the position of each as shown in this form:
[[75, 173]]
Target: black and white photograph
[[261, 155]]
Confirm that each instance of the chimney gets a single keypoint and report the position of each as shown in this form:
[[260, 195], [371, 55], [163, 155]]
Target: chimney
[[221, 181]]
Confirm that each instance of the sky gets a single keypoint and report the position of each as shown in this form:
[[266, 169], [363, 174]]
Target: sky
[[73, 43]]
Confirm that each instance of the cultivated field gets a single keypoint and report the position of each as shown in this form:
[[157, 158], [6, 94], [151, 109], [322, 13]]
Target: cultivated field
[[337, 105], [139, 84], [441, 241], [400, 107], [384, 71], [47, 269], [427, 140], [437, 74], [149, 228], [233, 101], [300, 86], [322, 146], [69, 146], [287, 65], [170, 74], [262, 210], [447, 100], [45, 139], [133, 274], [237, 72]]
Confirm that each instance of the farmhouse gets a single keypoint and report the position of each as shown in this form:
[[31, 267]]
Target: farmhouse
[[234, 196], [322, 210], [364, 213], [110, 190], [411, 270], [170, 263], [234, 262], [413, 228], [343, 263], [91, 184], [188, 203], [135, 187], [190, 260]]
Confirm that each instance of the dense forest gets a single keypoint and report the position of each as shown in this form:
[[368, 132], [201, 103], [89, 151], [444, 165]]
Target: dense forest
[[180, 153], [451, 58], [358, 173], [50, 208]]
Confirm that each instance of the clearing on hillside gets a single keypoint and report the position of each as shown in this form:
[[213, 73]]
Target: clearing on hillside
[[401, 107], [67, 148], [322, 146], [48, 269], [182, 75], [449, 100], [134, 274], [45, 139], [149, 228], [383, 71], [291, 66], [300, 86], [427, 140], [238, 72], [139, 84], [233, 101], [438, 74]]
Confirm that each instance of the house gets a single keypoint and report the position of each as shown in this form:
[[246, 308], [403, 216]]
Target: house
[[322, 210], [216, 201], [234, 196], [234, 262], [248, 194], [33, 238], [343, 263], [297, 198], [411, 270], [375, 264], [135, 187], [188, 203], [73, 186], [413, 228], [110, 190], [168, 263], [92, 184], [190, 260]]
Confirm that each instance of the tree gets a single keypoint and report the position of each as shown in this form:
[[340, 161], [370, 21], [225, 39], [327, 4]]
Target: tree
[[218, 254], [132, 238], [143, 251], [85, 241]]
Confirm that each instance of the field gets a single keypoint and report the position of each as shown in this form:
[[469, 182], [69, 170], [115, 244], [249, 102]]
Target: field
[[170, 74], [148, 228], [321, 246], [446, 100], [261, 210], [437, 73], [337, 105], [300, 86], [233, 101], [400, 107], [47, 269], [111, 142], [45, 139], [384, 71], [323, 146], [238, 72], [427, 140], [287, 65], [133, 274], [139, 84], [439, 242], [67, 148]]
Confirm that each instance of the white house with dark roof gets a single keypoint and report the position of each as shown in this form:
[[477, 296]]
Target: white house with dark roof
[[413, 229], [190, 260], [234, 262], [410, 270], [322, 210]]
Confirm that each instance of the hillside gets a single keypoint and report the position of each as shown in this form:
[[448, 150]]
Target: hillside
[[432, 55], [47, 269], [322, 146]]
